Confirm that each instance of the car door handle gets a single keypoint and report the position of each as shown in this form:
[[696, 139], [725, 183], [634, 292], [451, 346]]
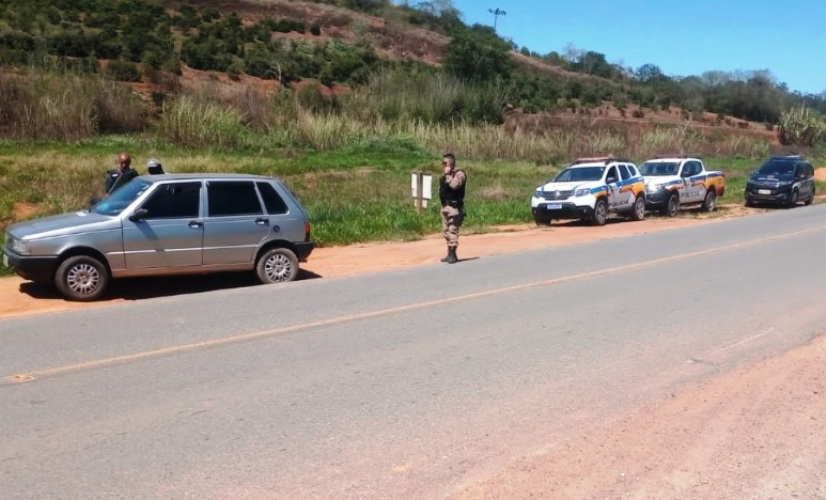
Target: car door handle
[[262, 221], [196, 225]]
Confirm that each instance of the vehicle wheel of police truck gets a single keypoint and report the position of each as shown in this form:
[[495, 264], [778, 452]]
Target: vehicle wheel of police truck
[[710, 201], [81, 278], [672, 206], [277, 265], [600, 213], [638, 213]]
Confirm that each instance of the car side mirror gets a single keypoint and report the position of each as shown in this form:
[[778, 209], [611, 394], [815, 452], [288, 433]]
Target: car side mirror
[[139, 215]]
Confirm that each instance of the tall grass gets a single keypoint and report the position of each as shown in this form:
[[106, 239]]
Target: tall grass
[[40, 105], [198, 122]]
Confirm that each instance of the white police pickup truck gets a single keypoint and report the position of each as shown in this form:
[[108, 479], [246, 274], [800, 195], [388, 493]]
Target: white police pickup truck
[[590, 189], [675, 181]]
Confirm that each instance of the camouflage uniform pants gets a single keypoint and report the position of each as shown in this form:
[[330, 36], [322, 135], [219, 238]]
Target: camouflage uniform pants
[[451, 222]]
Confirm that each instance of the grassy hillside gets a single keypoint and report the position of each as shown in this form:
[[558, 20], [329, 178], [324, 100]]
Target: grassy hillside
[[342, 99]]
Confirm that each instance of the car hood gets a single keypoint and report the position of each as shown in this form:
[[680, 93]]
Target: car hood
[[569, 186], [659, 179], [60, 225]]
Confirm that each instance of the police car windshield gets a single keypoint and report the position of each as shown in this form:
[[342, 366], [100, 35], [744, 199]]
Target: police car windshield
[[655, 168], [777, 168], [122, 198], [573, 174]]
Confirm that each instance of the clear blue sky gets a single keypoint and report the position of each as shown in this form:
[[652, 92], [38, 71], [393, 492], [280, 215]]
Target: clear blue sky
[[689, 37]]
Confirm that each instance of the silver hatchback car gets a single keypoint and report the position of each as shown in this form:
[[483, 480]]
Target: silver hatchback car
[[165, 225]]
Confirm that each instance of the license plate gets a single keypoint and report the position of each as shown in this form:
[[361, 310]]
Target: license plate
[[553, 206], [764, 191], [5, 260]]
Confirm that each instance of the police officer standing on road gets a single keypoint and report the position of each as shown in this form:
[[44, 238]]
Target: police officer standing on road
[[120, 175], [452, 195]]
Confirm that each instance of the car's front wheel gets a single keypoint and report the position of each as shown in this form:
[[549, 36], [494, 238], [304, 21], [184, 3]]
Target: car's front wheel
[[793, 200], [81, 278], [672, 206], [277, 265], [600, 213], [811, 197]]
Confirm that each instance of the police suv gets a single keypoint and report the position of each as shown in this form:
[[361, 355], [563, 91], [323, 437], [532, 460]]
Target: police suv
[[674, 181], [590, 189]]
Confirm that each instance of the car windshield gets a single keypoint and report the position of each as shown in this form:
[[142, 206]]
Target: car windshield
[[580, 174], [777, 168], [122, 198], [654, 168]]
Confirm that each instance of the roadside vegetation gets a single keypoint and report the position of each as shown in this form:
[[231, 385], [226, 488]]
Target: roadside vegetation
[[82, 80]]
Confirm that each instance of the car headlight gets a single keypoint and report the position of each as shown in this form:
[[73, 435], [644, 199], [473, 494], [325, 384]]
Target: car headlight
[[582, 192], [20, 246], [652, 188], [539, 194]]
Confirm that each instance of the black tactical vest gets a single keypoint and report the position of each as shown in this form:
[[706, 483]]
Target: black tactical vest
[[450, 196]]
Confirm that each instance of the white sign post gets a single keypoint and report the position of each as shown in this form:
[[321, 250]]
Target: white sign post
[[420, 186]]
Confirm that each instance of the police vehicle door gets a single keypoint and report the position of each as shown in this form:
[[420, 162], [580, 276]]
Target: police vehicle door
[[627, 190], [691, 193], [612, 180]]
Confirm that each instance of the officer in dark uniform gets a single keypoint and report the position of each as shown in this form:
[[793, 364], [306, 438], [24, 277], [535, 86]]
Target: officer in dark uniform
[[452, 195], [120, 175]]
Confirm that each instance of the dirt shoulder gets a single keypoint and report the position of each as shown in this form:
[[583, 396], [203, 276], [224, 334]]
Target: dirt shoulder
[[756, 433]]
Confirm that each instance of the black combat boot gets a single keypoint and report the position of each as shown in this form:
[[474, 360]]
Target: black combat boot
[[451, 256], [446, 257]]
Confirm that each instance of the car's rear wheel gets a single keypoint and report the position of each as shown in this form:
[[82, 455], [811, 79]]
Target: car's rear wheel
[[277, 265], [710, 201], [600, 213], [672, 206], [638, 213], [81, 278]]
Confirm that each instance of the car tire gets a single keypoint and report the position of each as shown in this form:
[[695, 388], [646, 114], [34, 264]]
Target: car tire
[[811, 198], [710, 201], [750, 204], [277, 265], [672, 206], [600, 213], [638, 212], [543, 222], [794, 199], [81, 278]]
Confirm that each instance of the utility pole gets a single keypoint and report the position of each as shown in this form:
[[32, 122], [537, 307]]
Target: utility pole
[[496, 13]]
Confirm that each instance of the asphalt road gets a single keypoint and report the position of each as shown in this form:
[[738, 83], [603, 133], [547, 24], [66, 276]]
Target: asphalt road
[[402, 384]]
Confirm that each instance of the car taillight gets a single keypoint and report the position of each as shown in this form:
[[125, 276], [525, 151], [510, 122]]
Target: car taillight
[[306, 231]]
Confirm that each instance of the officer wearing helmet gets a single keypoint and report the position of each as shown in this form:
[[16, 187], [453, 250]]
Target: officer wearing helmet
[[154, 167]]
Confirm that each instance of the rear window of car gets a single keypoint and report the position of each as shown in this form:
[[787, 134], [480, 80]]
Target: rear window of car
[[228, 198], [273, 201]]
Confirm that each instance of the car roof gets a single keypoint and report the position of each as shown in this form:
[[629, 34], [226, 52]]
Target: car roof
[[672, 158], [597, 161], [205, 176]]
